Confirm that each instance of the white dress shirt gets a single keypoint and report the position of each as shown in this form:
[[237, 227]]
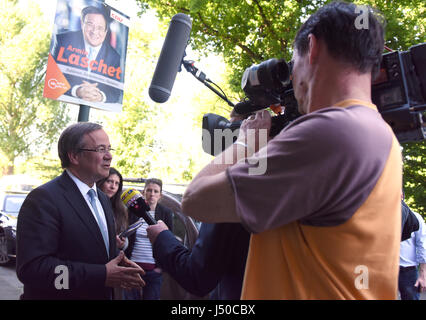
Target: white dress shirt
[[413, 250], [84, 188]]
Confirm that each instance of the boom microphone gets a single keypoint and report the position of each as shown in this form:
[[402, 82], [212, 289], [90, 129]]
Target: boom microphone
[[136, 204], [171, 57]]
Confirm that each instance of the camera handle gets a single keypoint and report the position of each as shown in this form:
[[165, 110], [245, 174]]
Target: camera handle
[[201, 76]]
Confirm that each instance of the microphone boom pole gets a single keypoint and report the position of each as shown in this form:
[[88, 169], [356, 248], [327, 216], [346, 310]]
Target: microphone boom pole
[[201, 76]]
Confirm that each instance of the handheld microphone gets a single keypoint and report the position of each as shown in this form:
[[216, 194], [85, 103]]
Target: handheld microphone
[[136, 204], [171, 57]]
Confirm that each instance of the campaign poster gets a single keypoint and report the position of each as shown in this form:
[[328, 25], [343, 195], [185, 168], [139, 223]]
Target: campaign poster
[[87, 56]]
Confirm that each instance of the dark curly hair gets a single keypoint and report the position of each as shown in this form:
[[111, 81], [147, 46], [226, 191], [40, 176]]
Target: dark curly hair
[[335, 23]]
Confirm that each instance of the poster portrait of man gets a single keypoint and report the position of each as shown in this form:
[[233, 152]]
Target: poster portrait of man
[[87, 56]]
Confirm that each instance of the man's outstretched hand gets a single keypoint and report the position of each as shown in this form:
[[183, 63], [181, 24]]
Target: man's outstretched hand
[[124, 273]]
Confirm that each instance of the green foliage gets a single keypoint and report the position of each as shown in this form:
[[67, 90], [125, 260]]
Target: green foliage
[[44, 167], [28, 122], [246, 32], [405, 21], [414, 176], [250, 31]]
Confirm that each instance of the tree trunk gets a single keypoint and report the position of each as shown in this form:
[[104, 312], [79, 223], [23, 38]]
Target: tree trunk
[[9, 169]]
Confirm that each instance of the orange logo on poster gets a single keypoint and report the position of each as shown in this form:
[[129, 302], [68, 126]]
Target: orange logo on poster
[[55, 83]]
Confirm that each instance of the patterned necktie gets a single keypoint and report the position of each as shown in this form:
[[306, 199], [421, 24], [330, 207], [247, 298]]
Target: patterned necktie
[[104, 231]]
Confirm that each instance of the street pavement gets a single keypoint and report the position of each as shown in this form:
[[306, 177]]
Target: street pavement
[[11, 288]]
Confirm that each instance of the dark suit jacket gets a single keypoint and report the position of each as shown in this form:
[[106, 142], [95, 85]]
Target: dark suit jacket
[[217, 260], [161, 213], [409, 222], [107, 53], [57, 228]]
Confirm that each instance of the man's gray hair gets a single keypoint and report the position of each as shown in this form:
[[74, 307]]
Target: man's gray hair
[[71, 140]]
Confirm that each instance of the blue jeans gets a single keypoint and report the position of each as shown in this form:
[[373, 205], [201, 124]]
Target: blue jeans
[[406, 280], [151, 291]]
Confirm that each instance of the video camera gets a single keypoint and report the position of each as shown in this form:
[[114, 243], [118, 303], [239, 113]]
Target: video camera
[[399, 92]]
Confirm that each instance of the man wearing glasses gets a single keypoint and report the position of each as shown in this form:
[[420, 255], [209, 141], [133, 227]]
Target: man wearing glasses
[[87, 54], [66, 245]]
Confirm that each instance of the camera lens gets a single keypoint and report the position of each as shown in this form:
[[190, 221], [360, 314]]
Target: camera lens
[[271, 75]]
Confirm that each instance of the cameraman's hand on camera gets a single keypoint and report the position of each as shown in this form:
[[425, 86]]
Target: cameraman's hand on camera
[[254, 131], [234, 116]]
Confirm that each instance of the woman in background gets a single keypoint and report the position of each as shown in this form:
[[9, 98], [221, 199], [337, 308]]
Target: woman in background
[[140, 248], [112, 186]]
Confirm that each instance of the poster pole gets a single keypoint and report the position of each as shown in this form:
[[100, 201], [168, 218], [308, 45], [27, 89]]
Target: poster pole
[[83, 114]]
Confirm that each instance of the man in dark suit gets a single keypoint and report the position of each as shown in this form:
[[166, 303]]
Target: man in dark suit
[[66, 243], [88, 53]]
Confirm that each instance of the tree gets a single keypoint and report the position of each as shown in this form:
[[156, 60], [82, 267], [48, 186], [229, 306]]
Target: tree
[[414, 176], [44, 166], [251, 31], [28, 122], [246, 32]]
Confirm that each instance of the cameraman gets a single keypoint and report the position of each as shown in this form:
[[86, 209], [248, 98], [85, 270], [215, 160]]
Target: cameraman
[[326, 214]]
